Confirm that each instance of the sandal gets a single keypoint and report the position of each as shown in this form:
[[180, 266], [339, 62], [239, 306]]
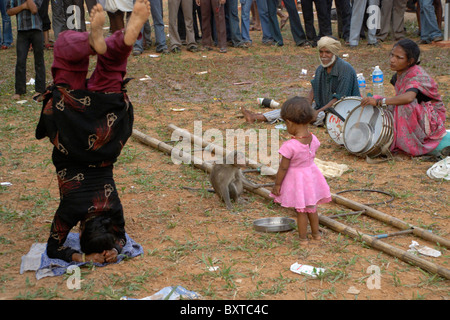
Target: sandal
[[223, 50]]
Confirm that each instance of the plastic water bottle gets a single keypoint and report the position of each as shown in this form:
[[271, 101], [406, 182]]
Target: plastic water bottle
[[377, 81], [362, 85]]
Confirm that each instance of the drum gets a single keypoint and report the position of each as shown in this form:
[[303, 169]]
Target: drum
[[334, 124], [368, 130]]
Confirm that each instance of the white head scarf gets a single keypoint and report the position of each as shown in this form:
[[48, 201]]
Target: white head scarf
[[331, 44]]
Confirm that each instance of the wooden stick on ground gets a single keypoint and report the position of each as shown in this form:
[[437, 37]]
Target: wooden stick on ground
[[328, 222], [369, 211]]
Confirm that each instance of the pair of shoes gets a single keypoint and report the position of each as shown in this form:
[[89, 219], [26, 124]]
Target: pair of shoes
[[437, 39], [421, 41], [136, 53], [4, 47], [376, 44], [223, 50], [176, 50], [207, 48], [192, 48], [163, 51], [305, 44], [242, 45]]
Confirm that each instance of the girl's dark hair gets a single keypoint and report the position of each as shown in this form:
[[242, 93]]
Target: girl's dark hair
[[297, 110], [97, 235], [411, 49]]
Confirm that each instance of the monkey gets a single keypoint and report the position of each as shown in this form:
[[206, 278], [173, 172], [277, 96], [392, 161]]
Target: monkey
[[228, 180]]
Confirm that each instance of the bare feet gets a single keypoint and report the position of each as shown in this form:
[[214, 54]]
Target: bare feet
[[16, 96], [96, 39], [316, 239], [251, 117], [140, 14], [304, 243]]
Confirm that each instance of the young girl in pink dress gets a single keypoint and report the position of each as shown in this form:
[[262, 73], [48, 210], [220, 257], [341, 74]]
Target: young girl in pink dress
[[299, 183]]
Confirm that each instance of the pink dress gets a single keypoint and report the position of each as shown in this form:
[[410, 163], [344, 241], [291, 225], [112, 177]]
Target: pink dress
[[304, 185]]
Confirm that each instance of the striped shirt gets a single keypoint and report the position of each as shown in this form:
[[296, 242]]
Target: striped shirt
[[340, 82], [25, 19]]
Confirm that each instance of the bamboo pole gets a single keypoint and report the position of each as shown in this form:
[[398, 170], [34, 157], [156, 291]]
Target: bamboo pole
[[369, 211], [381, 216], [218, 149], [332, 224]]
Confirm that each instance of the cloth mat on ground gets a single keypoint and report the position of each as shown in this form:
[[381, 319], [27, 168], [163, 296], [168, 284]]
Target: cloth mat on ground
[[37, 260], [440, 170]]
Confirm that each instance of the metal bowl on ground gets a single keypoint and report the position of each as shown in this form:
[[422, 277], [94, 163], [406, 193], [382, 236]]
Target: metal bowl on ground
[[275, 224]]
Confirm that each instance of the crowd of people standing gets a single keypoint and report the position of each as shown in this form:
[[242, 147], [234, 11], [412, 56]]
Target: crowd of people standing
[[205, 24], [189, 19]]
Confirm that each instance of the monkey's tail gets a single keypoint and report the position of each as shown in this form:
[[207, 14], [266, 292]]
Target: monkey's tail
[[198, 189]]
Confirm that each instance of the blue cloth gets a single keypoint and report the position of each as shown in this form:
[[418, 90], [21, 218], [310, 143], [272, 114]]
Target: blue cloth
[[263, 12], [232, 22], [273, 22], [37, 259], [245, 20], [428, 24], [158, 24], [6, 36]]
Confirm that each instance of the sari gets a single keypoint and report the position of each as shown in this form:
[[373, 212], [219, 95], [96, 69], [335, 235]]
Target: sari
[[88, 131], [419, 126]]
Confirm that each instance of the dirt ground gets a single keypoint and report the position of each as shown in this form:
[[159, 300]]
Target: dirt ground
[[185, 232]]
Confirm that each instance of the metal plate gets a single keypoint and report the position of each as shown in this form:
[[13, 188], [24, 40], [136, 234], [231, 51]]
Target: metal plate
[[358, 137], [276, 224]]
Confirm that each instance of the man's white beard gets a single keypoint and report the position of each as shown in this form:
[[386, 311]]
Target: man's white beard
[[328, 64]]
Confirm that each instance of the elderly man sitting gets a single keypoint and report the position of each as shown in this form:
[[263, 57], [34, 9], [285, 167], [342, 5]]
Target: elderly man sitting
[[334, 79]]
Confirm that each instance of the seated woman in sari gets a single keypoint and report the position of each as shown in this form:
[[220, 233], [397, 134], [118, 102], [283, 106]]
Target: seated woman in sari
[[419, 113], [89, 122]]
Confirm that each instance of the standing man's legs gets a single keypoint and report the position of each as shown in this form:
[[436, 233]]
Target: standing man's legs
[[37, 40], [22, 47], [58, 17], [429, 30], [356, 22], [158, 25], [294, 20]]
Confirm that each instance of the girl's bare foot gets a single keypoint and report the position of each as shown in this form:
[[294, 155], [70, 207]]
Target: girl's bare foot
[[304, 242], [96, 39], [140, 14], [316, 238]]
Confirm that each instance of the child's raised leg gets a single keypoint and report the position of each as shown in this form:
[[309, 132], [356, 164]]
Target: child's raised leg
[[96, 39], [112, 65]]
